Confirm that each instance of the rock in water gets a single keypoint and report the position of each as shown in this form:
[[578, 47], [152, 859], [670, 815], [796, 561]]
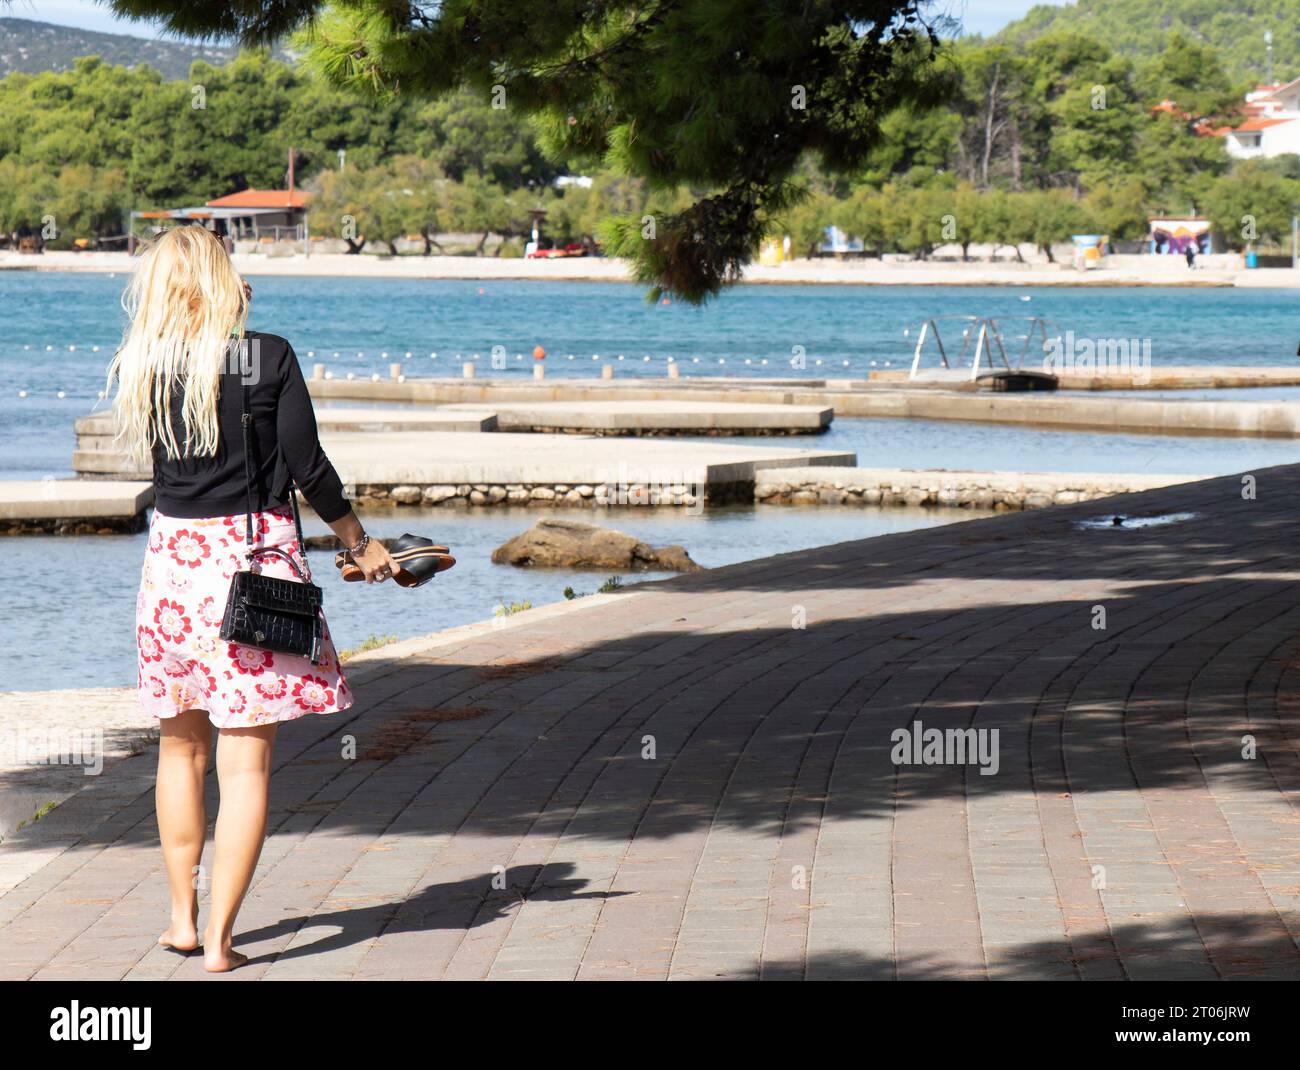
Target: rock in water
[[571, 544]]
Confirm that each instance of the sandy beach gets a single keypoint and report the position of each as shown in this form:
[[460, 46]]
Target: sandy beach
[[1217, 270]]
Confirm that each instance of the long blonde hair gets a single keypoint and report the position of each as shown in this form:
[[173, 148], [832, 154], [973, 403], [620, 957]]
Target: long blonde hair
[[185, 301]]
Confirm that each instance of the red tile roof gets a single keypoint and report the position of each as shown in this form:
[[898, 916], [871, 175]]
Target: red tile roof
[[262, 198], [1251, 124]]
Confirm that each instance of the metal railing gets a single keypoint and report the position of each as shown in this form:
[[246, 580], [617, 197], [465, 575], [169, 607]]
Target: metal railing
[[988, 336]]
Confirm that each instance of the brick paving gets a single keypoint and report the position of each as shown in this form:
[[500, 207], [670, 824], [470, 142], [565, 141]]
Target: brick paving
[[678, 782]]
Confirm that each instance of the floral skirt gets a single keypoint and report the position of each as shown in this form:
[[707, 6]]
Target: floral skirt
[[184, 664]]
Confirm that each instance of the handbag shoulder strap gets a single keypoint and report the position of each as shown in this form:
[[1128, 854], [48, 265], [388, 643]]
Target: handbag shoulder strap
[[246, 421]]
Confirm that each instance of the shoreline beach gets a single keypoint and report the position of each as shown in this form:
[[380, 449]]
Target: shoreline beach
[[1220, 270]]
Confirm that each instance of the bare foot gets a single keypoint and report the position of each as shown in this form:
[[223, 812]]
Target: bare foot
[[183, 933], [220, 957]]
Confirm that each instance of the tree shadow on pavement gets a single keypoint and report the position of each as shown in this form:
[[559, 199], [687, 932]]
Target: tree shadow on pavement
[[1164, 950]]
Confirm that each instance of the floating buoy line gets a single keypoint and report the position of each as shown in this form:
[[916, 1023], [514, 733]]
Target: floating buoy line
[[497, 361]]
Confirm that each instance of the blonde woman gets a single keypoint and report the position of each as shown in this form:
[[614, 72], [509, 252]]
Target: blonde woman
[[178, 403]]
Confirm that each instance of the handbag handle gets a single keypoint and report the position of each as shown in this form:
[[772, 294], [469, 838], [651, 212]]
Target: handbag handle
[[246, 420]]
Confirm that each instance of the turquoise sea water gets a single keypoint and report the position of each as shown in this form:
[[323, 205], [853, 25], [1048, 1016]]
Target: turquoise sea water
[[52, 322], [57, 585]]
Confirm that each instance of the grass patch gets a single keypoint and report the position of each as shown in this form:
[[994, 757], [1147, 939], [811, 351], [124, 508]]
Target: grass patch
[[372, 642], [38, 815], [614, 583]]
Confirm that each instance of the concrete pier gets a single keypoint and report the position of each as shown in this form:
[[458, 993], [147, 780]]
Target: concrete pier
[[443, 468], [1132, 415], [71, 506], [660, 417], [96, 455], [1171, 377]]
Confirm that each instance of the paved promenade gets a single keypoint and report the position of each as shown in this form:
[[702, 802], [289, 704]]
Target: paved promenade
[[694, 779]]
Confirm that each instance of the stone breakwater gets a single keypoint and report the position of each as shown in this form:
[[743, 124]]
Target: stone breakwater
[[1001, 491], [543, 495]]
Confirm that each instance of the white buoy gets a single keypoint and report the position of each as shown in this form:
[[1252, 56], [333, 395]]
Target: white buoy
[[375, 377], [60, 395], [384, 355], [311, 352], [49, 349], [351, 376], [94, 349], [329, 375], [22, 393], [72, 349], [401, 378]]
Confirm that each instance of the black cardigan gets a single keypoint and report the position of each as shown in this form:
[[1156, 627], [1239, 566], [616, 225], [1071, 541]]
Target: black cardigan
[[285, 445]]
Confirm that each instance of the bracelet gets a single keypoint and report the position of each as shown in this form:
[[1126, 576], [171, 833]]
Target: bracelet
[[360, 546]]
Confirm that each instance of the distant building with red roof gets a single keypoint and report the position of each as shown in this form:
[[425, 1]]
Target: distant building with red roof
[[260, 215], [263, 199], [1270, 125]]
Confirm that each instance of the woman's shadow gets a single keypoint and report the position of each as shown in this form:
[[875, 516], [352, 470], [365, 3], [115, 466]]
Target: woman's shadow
[[464, 905]]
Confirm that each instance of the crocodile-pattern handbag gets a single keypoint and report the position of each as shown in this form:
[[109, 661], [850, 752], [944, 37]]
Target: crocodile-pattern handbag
[[264, 611]]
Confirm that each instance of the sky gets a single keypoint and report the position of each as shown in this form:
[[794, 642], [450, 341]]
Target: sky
[[978, 16]]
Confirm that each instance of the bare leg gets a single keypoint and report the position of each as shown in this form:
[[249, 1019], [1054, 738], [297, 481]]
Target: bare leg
[[244, 773], [183, 750]]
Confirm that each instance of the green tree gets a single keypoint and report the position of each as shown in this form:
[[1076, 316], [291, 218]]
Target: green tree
[[862, 215], [724, 96], [1119, 209], [464, 133], [1253, 205], [1047, 217], [806, 222]]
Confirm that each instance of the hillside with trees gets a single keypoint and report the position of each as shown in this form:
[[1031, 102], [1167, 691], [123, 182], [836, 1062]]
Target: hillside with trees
[[1016, 145], [1139, 29], [35, 47]]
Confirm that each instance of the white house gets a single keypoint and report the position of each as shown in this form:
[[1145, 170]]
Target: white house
[[1271, 126]]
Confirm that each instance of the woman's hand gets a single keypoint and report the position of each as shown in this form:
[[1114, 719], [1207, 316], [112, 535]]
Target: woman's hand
[[375, 562]]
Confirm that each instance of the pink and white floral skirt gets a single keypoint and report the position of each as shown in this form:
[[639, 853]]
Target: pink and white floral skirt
[[184, 664]]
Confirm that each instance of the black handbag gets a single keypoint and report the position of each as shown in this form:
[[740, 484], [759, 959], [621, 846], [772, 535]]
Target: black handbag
[[283, 616]]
